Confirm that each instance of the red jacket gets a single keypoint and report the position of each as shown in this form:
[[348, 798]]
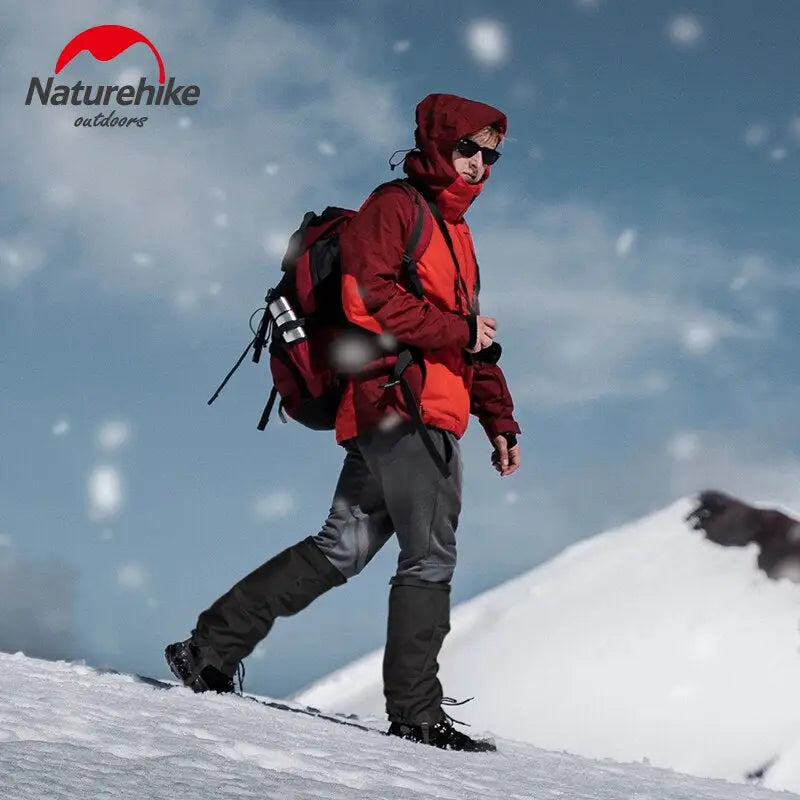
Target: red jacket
[[374, 296]]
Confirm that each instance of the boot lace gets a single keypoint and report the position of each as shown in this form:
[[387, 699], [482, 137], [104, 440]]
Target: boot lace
[[449, 701]]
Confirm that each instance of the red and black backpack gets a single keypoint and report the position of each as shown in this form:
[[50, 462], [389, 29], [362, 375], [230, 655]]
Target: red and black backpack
[[300, 344]]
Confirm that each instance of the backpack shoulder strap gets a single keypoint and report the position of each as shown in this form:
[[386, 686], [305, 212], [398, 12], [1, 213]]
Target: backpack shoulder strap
[[415, 237]]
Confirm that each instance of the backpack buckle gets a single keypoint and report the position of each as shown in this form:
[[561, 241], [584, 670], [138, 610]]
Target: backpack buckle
[[404, 360]]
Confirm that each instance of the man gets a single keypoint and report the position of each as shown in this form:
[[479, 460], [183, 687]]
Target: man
[[389, 483]]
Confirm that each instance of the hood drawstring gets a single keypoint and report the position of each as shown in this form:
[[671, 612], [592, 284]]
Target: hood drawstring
[[406, 152]]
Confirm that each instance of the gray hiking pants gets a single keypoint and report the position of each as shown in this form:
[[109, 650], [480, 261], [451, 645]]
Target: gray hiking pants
[[388, 485]]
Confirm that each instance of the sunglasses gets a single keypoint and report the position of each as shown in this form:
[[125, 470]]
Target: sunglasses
[[468, 148]]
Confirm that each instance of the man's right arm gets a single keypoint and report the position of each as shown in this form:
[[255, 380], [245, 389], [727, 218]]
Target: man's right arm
[[372, 248]]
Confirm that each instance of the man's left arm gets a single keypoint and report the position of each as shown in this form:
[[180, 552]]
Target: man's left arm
[[491, 403]]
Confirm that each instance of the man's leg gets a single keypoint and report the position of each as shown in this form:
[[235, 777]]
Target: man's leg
[[424, 507], [230, 629], [358, 524]]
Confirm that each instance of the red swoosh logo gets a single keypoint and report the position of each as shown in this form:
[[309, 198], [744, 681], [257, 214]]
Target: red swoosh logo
[[105, 42]]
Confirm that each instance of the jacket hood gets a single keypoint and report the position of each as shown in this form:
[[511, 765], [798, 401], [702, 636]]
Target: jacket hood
[[443, 119]]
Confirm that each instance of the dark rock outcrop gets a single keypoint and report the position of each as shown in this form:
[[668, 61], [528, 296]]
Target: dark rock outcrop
[[733, 523]]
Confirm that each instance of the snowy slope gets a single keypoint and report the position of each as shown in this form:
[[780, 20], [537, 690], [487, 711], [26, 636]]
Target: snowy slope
[[643, 642], [68, 732]]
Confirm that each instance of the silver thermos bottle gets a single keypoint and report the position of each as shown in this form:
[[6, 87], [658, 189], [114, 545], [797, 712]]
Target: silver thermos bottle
[[283, 314]]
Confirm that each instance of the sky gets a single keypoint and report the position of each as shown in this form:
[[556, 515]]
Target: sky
[[638, 245]]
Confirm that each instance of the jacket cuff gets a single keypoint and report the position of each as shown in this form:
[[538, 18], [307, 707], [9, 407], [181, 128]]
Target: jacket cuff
[[472, 324], [499, 427]]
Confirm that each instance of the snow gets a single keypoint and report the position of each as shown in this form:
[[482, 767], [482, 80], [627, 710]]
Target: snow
[[274, 243], [274, 506], [487, 42], [684, 446], [699, 337], [685, 30], [67, 731], [105, 493], [643, 642], [113, 434], [756, 134], [142, 259], [131, 576], [625, 242], [61, 427]]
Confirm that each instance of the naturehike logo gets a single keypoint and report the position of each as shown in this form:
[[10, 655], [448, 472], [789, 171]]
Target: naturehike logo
[[106, 42]]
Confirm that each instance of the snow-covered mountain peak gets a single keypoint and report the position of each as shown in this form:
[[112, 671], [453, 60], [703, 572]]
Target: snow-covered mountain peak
[[647, 641]]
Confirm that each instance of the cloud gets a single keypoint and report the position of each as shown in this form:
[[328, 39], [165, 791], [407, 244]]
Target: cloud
[[274, 506], [599, 327], [685, 30], [20, 257], [105, 493], [37, 599], [137, 207], [487, 42], [113, 435]]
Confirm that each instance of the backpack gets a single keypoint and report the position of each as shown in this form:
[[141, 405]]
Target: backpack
[[303, 317]]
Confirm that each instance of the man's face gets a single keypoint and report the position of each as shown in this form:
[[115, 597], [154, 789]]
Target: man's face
[[472, 169]]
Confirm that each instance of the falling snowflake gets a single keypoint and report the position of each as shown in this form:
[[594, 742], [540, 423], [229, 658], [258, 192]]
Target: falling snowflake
[[487, 42]]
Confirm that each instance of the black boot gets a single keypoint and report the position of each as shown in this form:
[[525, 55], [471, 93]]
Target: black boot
[[187, 665], [443, 735], [229, 630]]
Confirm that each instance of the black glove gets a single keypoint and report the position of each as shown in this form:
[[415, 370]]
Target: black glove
[[511, 438], [489, 355]]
